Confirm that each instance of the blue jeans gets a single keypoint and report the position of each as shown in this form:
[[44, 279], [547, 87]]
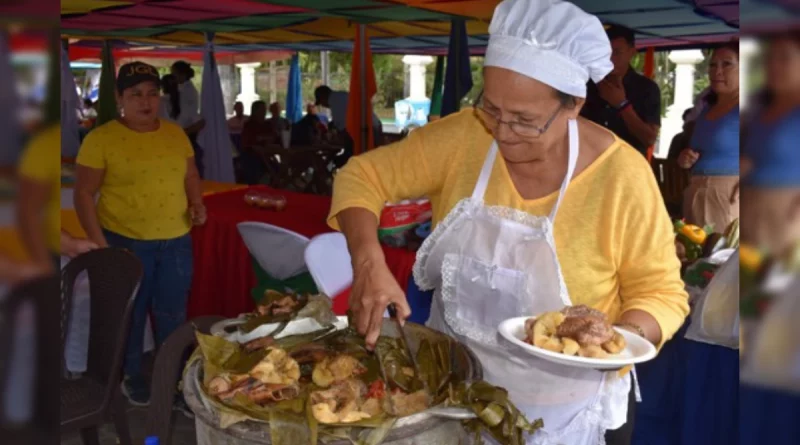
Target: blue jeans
[[163, 292]]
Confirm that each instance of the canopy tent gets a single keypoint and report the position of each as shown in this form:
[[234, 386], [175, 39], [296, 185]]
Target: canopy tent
[[418, 26]]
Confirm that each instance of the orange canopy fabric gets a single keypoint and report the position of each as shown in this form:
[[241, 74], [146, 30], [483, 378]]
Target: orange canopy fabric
[[357, 115]]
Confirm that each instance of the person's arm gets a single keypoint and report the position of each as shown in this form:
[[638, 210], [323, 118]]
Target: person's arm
[[411, 168], [407, 169], [32, 201], [87, 184], [194, 193], [651, 291], [72, 247], [374, 287], [645, 124]]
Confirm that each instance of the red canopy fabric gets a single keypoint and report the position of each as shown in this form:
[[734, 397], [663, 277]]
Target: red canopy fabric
[[354, 109]]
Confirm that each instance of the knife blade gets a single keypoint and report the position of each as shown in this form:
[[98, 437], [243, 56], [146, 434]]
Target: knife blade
[[404, 339]]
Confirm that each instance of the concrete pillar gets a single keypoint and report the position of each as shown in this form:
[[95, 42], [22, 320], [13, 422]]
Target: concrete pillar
[[324, 58], [416, 74], [748, 49], [273, 82], [248, 94], [672, 124]]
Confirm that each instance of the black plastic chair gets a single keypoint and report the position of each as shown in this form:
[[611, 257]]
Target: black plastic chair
[[166, 374], [88, 402], [40, 425]]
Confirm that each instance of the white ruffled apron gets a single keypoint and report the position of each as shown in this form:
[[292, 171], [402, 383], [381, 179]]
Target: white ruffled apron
[[491, 263]]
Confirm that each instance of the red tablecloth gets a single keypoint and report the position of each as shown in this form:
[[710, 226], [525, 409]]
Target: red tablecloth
[[223, 271]]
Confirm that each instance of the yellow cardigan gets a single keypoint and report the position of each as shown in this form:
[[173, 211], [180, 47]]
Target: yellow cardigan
[[613, 236]]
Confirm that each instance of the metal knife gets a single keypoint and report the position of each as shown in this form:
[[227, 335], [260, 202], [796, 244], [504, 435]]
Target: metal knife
[[404, 339]]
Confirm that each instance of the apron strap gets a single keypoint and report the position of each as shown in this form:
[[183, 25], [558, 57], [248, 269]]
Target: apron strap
[[488, 165], [637, 393], [574, 149], [486, 172]]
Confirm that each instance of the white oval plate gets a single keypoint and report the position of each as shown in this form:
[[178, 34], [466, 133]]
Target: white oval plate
[[637, 350]]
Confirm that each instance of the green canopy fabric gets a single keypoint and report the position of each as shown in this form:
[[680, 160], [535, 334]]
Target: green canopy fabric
[[107, 102], [438, 81]]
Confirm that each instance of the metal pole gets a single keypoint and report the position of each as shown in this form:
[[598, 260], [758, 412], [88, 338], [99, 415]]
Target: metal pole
[[324, 57], [362, 66]]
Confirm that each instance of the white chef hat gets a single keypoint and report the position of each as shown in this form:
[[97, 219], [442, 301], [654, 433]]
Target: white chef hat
[[552, 41]]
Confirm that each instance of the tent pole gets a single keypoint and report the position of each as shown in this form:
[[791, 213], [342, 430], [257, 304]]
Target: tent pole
[[362, 66]]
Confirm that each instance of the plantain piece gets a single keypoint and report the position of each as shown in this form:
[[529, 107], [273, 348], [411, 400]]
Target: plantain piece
[[732, 234]]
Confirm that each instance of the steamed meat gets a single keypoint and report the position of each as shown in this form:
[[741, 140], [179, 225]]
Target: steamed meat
[[403, 404], [336, 369], [586, 330], [585, 325], [276, 368], [582, 310], [265, 393], [342, 403], [259, 343]]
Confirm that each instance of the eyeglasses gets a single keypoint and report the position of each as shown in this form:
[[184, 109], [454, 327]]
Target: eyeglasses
[[523, 130]]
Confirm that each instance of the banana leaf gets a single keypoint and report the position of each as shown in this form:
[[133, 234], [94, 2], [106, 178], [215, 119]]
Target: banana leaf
[[334, 434], [376, 435], [318, 307], [496, 414], [224, 356], [288, 429]]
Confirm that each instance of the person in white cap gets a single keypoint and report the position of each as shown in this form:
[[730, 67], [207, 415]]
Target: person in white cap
[[534, 209]]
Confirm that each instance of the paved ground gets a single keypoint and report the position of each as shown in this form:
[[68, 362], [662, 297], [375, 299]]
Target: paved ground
[[182, 431]]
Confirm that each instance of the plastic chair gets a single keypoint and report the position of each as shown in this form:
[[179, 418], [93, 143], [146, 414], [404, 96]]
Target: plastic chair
[[166, 373], [86, 403], [278, 251], [29, 362], [329, 264], [328, 261]]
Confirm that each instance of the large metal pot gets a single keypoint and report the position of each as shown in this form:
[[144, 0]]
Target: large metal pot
[[419, 429]]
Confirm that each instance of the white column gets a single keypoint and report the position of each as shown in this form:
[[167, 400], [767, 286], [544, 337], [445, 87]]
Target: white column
[[672, 124], [273, 82], [748, 49], [416, 70], [248, 94], [324, 62]]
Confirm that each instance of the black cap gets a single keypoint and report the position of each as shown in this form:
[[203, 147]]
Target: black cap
[[134, 73]]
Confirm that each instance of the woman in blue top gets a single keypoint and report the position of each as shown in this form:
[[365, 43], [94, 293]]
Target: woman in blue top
[[771, 153], [713, 155]]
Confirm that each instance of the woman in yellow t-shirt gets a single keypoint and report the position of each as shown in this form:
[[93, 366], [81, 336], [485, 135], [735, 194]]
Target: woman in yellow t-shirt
[[534, 209], [39, 203], [143, 170]]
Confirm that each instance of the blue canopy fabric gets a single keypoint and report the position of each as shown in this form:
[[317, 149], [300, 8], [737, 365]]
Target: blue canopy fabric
[[70, 135], [458, 74], [214, 139], [294, 95]]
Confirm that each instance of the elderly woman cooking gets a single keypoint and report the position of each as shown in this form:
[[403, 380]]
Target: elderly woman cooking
[[535, 209]]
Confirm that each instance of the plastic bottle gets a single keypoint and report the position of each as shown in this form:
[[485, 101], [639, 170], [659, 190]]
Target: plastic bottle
[[152, 440]]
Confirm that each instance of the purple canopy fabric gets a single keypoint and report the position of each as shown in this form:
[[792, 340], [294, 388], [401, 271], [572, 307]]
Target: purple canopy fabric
[[214, 138]]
